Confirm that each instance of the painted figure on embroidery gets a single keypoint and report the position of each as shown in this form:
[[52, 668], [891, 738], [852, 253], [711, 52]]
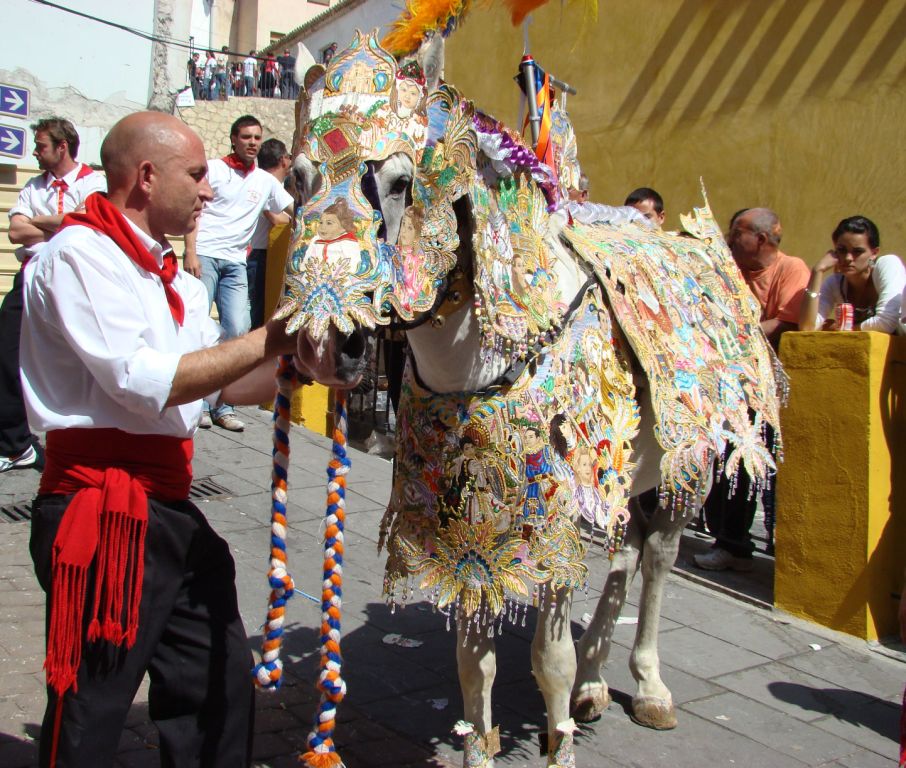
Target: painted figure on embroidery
[[336, 238], [407, 103], [409, 255]]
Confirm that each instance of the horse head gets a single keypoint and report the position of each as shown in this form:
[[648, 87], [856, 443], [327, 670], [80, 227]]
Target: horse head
[[376, 233]]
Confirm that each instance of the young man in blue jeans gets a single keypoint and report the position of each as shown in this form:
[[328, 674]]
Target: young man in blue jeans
[[216, 251]]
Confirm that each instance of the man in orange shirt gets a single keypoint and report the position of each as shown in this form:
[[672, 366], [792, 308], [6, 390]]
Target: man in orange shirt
[[778, 282]]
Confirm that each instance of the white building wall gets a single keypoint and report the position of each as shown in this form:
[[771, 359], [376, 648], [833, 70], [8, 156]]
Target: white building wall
[[76, 68], [200, 28], [339, 30]]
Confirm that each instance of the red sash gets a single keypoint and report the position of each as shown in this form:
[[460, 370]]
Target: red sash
[[112, 474]]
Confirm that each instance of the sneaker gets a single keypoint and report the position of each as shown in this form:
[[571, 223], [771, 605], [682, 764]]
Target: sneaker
[[720, 560], [205, 421], [230, 422], [27, 458]]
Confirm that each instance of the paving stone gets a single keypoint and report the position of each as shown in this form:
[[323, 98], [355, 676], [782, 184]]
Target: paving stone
[[268, 745], [704, 656], [762, 633], [803, 696], [771, 728], [874, 725], [18, 754], [864, 758], [852, 669]]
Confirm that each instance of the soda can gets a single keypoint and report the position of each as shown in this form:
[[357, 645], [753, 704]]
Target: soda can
[[844, 316]]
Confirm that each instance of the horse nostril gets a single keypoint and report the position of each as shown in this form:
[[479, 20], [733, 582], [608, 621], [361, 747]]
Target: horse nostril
[[353, 345]]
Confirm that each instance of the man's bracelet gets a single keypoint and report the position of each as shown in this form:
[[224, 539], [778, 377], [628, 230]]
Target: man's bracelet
[[811, 294]]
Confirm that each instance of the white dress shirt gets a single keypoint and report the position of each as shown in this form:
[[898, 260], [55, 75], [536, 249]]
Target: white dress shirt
[[228, 222], [99, 346], [39, 198]]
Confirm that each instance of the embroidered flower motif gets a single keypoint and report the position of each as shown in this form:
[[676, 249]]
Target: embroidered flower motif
[[469, 563]]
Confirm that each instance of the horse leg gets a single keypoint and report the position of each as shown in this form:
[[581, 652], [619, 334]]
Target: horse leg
[[652, 706], [477, 666], [590, 695], [554, 667]]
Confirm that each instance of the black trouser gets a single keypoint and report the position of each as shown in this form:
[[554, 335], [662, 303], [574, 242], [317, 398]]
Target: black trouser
[[15, 436], [256, 271], [190, 640], [729, 518]]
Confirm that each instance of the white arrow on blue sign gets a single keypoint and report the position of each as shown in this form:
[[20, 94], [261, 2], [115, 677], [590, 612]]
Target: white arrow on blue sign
[[12, 141], [14, 101]]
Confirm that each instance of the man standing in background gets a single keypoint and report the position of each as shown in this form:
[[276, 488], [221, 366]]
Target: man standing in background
[[287, 64], [249, 66], [778, 281], [33, 220], [217, 249], [649, 203], [273, 158]]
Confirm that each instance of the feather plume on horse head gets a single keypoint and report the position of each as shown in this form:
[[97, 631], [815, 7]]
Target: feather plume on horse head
[[425, 18]]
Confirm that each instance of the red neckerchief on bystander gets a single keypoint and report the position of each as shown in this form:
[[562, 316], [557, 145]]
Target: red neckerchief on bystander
[[233, 161]]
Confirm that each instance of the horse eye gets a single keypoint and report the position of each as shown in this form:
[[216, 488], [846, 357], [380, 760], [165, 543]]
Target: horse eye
[[400, 186]]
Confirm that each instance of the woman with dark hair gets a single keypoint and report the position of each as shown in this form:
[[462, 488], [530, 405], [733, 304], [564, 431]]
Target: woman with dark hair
[[872, 284]]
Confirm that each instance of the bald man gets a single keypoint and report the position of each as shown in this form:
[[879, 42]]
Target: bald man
[[117, 351]]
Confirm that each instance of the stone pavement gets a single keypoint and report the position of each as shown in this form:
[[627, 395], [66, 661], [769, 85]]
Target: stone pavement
[[753, 687]]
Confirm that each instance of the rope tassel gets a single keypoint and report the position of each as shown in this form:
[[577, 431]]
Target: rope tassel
[[322, 752], [268, 674]]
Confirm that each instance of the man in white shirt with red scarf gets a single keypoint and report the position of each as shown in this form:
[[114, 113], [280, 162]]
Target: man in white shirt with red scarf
[[118, 349], [33, 220], [217, 251]]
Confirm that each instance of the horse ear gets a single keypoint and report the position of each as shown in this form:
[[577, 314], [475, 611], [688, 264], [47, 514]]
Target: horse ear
[[430, 57], [304, 62]]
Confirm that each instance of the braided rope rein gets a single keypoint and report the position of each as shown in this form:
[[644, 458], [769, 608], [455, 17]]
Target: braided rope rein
[[268, 674], [322, 752]]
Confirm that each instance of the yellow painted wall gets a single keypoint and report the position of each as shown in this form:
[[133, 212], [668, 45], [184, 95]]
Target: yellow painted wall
[[794, 104], [312, 405], [841, 492]]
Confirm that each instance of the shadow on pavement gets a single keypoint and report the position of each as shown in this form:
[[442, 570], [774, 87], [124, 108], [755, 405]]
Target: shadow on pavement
[[860, 709]]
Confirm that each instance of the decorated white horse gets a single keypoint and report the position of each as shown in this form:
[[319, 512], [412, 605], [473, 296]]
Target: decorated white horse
[[562, 358]]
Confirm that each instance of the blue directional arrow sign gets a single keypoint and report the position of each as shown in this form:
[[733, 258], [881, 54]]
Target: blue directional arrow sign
[[14, 101], [12, 141]]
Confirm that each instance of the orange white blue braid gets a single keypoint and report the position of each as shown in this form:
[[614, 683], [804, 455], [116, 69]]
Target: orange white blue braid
[[321, 750], [268, 673]]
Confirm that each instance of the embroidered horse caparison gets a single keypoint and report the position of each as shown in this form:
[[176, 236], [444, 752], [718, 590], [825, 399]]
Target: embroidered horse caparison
[[521, 418]]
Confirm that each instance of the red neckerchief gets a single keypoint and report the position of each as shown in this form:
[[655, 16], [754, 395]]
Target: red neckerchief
[[233, 161], [102, 215], [61, 185], [111, 473], [84, 170], [325, 243]]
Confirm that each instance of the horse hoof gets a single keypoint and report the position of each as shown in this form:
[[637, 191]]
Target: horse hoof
[[653, 712], [590, 706]]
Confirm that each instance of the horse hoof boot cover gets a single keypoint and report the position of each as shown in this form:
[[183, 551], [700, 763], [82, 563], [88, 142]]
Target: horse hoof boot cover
[[478, 748], [520, 423]]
